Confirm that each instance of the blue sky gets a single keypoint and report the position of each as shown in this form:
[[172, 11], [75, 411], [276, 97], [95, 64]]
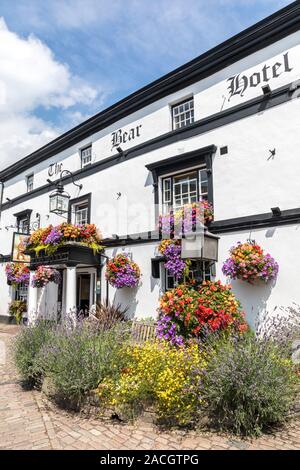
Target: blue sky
[[64, 60]]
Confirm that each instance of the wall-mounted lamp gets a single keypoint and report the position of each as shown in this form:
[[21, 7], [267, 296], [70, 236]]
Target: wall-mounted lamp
[[8, 200], [119, 149], [276, 211], [59, 199], [266, 89]]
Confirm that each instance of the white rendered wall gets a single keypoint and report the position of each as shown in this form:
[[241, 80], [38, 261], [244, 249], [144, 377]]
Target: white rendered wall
[[283, 244], [142, 302]]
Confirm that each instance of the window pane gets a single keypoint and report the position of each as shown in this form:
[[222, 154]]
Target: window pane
[[183, 114], [29, 182], [86, 156], [167, 191], [80, 213], [21, 292]]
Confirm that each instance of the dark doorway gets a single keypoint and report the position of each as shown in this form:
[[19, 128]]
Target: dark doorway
[[83, 293]]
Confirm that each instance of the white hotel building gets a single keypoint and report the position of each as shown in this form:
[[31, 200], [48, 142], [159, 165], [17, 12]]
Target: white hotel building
[[223, 127]]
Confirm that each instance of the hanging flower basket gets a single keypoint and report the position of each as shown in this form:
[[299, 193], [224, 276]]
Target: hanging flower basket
[[51, 238], [17, 273], [248, 262], [43, 275], [185, 220], [122, 272], [171, 250]]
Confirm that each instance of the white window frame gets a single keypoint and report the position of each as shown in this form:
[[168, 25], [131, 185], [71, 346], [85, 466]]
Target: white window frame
[[21, 292], [29, 182], [74, 212], [87, 157], [183, 113], [23, 222], [202, 187], [203, 184], [191, 196]]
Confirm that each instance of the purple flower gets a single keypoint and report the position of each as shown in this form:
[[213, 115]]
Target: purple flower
[[169, 331], [174, 264], [54, 237]]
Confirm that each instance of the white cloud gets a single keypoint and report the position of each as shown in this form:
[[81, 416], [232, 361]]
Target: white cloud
[[31, 78]]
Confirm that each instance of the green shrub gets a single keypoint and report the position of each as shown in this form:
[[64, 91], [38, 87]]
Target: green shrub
[[27, 346], [249, 385], [76, 360]]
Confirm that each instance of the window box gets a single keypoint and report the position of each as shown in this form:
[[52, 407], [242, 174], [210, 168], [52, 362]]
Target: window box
[[72, 253]]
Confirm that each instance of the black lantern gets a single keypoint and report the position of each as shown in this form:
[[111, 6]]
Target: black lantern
[[202, 245], [59, 200]]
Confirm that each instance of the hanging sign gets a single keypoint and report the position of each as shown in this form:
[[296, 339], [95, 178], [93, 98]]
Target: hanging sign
[[18, 248]]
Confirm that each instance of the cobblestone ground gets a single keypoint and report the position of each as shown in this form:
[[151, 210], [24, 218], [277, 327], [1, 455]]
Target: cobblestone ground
[[27, 422]]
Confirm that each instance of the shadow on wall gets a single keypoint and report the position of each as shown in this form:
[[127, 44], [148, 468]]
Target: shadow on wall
[[253, 298], [127, 297]]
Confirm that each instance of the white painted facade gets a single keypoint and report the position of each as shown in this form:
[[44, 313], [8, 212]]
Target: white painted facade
[[247, 181]]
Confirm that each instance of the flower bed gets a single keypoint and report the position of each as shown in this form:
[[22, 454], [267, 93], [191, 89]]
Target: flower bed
[[248, 262], [122, 272], [239, 383], [51, 238], [186, 219], [17, 273], [155, 375], [186, 312], [43, 275]]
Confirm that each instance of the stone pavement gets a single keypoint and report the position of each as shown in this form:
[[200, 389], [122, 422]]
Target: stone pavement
[[27, 422]]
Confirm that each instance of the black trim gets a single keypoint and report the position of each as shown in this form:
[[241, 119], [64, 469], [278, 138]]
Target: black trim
[[132, 239], [78, 200], [184, 162], [241, 111], [23, 213], [5, 258], [291, 216], [287, 217], [271, 29]]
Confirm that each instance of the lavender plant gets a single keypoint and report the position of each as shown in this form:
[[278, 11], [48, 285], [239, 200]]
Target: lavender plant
[[76, 360], [250, 385], [281, 326], [26, 348]]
